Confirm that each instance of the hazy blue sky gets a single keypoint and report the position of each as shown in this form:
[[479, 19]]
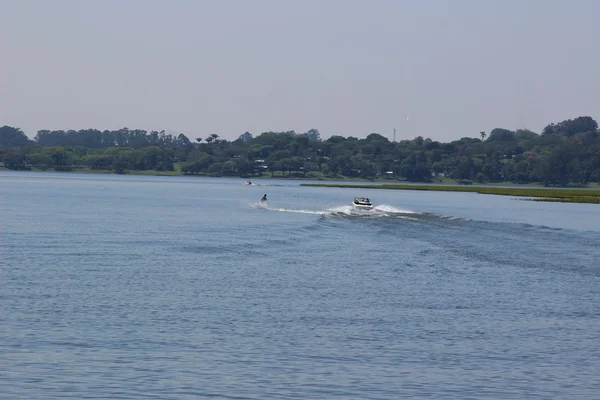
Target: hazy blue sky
[[346, 67]]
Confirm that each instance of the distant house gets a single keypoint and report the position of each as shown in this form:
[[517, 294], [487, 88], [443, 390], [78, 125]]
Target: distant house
[[261, 164]]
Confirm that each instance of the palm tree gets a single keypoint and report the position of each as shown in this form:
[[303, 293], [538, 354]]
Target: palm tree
[[483, 135]]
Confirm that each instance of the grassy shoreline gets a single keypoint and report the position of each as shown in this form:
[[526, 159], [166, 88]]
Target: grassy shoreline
[[589, 196]]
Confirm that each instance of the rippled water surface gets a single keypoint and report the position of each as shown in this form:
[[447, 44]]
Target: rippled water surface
[[129, 287]]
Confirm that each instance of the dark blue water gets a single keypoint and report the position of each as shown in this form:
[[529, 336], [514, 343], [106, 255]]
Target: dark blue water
[[185, 288]]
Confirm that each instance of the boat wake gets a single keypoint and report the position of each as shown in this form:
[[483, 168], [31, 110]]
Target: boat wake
[[265, 206], [348, 211], [380, 211], [387, 213]]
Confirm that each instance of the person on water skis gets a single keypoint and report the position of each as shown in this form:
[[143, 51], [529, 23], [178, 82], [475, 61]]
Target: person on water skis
[[264, 198]]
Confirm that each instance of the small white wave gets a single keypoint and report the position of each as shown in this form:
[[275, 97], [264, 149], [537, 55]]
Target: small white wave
[[265, 206], [390, 209], [341, 210], [260, 205], [297, 211], [408, 218], [451, 218]]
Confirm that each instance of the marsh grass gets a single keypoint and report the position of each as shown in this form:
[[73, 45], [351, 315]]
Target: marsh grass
[[533, 194]]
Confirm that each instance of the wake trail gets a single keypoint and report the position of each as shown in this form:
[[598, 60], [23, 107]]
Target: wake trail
[[380, 211], [383, 212], [265, 206]]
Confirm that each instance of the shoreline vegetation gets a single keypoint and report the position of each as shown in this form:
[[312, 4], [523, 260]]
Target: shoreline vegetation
[[588, 196], [565, 154], [312, 177]]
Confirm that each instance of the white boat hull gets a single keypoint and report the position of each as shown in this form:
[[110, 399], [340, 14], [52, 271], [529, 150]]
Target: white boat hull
[[362, 202]]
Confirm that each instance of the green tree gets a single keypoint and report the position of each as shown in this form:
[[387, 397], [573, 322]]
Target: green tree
[[13, 137]]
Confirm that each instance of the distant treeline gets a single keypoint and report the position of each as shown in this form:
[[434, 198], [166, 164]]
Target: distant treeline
[[565, 153]]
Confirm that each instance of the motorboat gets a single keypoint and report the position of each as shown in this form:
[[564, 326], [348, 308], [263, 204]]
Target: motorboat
[[247, 183], [362, 202]]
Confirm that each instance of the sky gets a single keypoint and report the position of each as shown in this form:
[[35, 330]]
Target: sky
[[441, 69]]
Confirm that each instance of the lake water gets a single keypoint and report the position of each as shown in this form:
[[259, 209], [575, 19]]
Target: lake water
[[129, 287]]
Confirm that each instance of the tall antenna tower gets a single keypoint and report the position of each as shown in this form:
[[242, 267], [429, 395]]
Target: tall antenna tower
[[394, 134]]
